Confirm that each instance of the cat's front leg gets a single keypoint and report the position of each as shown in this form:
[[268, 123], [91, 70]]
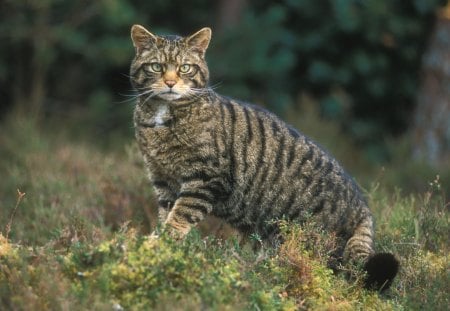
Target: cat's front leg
[[166, 194], [194, 202]]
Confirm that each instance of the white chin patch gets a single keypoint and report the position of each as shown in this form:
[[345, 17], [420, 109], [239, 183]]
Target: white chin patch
[[169, 96]]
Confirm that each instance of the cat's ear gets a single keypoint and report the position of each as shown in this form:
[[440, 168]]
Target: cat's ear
[[200, 39], [142, 38]]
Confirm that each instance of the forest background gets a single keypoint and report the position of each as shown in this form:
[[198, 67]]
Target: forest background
[[362, 62]]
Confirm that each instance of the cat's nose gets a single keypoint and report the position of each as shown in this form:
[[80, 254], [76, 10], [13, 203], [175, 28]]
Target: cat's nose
[[170, 83]]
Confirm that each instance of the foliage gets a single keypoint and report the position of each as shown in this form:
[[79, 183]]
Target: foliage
[[368, 50], [359, 58], [78, 241]]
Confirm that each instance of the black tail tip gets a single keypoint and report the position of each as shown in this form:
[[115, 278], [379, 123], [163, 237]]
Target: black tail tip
[[381, 270]]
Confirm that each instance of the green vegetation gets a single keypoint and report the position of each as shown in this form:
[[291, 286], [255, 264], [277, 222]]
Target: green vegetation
[[78, 239]]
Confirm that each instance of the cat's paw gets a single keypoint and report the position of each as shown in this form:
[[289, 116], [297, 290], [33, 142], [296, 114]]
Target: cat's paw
[[176, 230]]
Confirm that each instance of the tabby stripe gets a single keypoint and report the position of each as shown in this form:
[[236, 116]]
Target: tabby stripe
[[177, 53], [351, 201], [291, 154], [291, 200], [232, 112], [201, 175], [169, 47], [333, 208], [317, 189], [202, 76], [319, 207], [140, 68], [260, 162], [224, 131], [196, 84], [196, 195], [276, 197], [249, 140], [294, 133], [249, 125], [210, 159], [160, 184], [193, 72], [308, 180], [263, 141], [362, 235], [361, 249], [192, 219], [142, 137], [217, 189], [196, 207], [216, 144], [345, 218], [330, 187], [165, 204], [318, 163], [257, 202], [328, 168], [278, 162], [305, 157], [251, 186], [275, 128]]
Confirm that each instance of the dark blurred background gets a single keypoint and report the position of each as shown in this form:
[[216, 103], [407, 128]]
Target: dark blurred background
[[379, 70]]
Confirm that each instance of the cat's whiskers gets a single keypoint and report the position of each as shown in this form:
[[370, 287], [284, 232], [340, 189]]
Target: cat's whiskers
[[199, 93], [196, 93], [134, 95], [148, 97]]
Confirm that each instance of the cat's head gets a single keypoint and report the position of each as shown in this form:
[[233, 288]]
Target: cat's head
[[169, 67]]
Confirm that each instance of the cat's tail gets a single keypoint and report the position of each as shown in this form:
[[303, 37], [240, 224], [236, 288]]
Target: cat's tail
[[381, 269]]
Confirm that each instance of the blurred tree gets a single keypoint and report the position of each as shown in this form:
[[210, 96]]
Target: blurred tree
[[253, 60], [371, 51], [48, 48], [229, 13], [432, 116], [359, 58]]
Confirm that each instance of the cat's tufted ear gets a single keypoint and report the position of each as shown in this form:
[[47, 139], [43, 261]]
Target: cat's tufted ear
[[200, 39], [142, 38]]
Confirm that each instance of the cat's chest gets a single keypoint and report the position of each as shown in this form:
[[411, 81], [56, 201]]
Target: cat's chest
[[155, 118], [165, 136]]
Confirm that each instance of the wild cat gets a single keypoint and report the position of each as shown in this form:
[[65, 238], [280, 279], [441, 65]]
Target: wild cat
[[209, 154]]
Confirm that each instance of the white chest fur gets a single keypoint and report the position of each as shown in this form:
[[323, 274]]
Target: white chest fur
[[161, 115]]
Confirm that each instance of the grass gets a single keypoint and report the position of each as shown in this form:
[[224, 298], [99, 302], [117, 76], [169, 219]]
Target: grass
[[76, 241]]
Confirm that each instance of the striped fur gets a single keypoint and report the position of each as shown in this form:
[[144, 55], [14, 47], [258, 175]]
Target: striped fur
[[209, 154]]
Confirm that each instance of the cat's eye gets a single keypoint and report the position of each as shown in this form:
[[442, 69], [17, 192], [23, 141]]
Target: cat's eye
[[156, 67], [185, 68]]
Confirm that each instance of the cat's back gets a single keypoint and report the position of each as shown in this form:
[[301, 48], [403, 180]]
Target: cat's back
[[278, 172]]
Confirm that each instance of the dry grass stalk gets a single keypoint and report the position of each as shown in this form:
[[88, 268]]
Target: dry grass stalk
[[20, 196]]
